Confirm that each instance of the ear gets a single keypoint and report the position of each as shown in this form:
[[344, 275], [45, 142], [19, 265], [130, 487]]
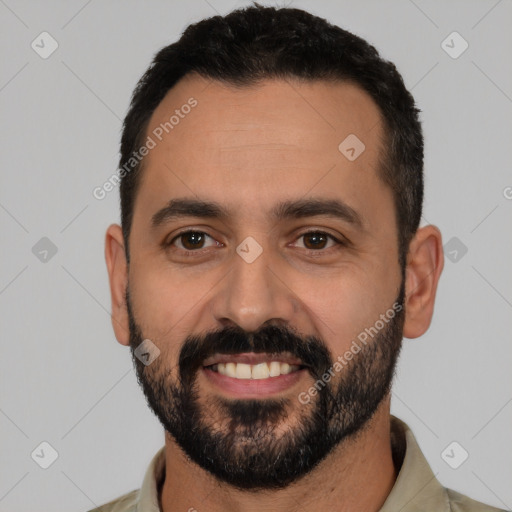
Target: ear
[[425, 262], [118, 278]]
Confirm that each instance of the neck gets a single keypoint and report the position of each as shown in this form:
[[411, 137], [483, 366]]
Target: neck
[[357, 475]]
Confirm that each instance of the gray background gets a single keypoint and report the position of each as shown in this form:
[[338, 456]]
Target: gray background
[[64, 378]]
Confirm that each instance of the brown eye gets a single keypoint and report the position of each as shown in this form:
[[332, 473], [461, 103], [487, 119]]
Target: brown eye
[[190, 240], [315, 240]]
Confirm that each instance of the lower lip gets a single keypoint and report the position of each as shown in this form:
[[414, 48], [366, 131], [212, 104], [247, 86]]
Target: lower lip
[[253, 388]]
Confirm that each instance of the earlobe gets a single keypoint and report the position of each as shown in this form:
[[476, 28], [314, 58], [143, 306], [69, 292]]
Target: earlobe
[[118, 278], [425, 262]]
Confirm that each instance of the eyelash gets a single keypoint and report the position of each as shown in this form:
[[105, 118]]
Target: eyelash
[[198, 252]]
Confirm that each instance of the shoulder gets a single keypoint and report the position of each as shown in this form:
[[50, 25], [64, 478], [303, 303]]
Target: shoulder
[[125, 503], [461, 503]]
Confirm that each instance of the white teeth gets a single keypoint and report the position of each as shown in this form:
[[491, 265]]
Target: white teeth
[[275, 369], [230, 370], [256, 371], [243, 371], [260, 371], [285, 368]]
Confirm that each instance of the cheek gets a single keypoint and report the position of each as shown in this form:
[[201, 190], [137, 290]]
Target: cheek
[[351, 304], [166, 301]]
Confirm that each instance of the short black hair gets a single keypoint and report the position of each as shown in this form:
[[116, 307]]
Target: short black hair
[[256, 43]]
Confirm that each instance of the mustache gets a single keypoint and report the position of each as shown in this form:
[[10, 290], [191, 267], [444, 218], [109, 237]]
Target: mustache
[[271, 339]]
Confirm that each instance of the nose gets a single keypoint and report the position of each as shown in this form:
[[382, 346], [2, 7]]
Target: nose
[[254, 293]]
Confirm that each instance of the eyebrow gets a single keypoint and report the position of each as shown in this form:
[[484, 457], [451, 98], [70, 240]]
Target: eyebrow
[[291, 209]]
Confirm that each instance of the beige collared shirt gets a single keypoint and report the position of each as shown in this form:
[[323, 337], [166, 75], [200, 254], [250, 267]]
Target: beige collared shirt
[[416, 488]]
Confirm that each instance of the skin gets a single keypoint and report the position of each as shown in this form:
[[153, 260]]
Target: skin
[[249, 148]]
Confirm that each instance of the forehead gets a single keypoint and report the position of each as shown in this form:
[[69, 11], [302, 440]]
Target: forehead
[[308, 115], [277, 138]]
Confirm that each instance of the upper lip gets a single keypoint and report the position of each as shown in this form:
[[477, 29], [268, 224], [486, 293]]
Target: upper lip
[[253, 358]]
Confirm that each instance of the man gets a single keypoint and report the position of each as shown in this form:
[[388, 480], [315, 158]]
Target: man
[[269, 262]]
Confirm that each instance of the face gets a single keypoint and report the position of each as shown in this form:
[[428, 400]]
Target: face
[[259, 254]]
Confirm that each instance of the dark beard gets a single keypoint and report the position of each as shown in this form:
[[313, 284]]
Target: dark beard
[[250, 448]]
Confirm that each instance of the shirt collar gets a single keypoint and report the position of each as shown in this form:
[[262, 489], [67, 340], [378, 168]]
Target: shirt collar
[[416, 487], [148, 496]]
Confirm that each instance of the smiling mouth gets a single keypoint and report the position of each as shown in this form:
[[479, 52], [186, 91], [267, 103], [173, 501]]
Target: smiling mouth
[[253, 366], [263, 370], [253, 375]]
